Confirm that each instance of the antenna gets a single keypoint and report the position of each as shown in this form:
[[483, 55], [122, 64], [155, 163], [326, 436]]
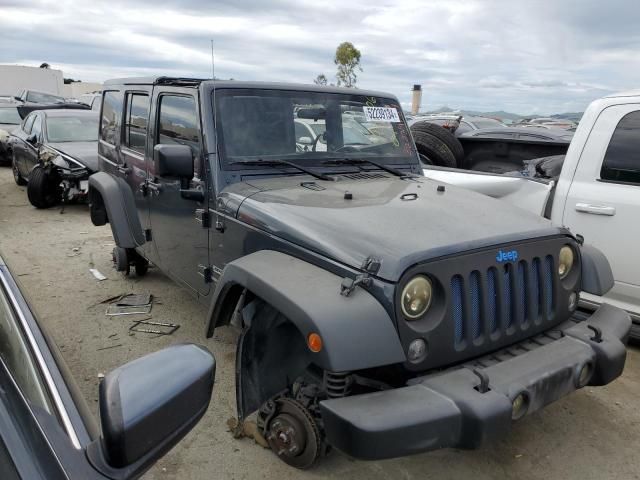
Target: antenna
[[213, 65]]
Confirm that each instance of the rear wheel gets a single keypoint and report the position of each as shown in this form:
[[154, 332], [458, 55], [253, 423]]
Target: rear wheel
[[16, 174], [120, 259], [43, 189]]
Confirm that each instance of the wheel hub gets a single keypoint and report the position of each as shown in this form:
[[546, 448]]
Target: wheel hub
[[287, 435]]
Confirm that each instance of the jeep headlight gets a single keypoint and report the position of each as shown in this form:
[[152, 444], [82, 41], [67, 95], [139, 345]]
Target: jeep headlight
[[416, 297], [565, 261]]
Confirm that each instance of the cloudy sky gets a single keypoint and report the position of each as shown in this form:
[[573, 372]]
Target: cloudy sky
[[524, 56]]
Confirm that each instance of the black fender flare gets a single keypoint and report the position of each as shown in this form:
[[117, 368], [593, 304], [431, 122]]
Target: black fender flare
[[356, 331], [121, 209]]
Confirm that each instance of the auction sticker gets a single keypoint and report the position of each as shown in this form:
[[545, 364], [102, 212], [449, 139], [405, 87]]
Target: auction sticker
[[381, 114]]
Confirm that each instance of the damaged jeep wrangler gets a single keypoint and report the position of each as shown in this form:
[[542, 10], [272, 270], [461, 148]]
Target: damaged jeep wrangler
[[381, 313]]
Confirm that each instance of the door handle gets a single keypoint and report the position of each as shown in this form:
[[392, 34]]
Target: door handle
[[595, 209]]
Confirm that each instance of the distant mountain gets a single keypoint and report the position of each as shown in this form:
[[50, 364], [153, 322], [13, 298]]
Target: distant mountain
[[501, 114]]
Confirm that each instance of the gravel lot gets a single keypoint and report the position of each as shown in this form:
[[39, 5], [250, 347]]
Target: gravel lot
[[593, 434]]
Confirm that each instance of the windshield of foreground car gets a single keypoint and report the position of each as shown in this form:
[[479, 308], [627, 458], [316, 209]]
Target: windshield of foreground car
[[72, 129], [10, 116], [309, 127]]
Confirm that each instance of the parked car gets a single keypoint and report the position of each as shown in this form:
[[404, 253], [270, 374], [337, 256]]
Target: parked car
[[593, 190], [33, 96], [91, 99], [9, 120], [46, 430], [460, 124], [382, 313], [55, 151]]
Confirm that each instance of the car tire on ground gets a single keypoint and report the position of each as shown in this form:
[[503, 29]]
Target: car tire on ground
[[120, 259], [450, 140], [142, 267], [43, 189], [16, 174], [434, 149]]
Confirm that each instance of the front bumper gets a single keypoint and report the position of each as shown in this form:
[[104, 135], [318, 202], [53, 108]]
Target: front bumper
[[448, 410]]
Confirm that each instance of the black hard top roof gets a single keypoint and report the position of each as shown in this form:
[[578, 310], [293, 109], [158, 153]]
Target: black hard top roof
[[219, 84]]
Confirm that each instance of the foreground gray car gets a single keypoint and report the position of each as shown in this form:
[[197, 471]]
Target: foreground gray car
[[381, 313]]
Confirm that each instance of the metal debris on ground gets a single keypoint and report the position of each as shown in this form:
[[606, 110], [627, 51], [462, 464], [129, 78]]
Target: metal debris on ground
[[97, 274], [248, 429], [165, 328], [131, 304], [110, 346]]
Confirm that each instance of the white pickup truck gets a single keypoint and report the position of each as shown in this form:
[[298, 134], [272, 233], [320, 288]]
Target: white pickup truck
[[595, 190]]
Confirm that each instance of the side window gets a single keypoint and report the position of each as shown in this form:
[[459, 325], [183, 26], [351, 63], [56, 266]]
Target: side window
[[37, 127], [111, 116], [622, 160], [28, 123], [178, 122], [16, 355], [135, 128]]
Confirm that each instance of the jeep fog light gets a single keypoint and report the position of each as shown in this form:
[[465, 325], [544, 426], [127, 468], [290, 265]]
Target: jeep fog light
[[417, 350], [519, 406], [565, 261], [585, 375], [416, 297]]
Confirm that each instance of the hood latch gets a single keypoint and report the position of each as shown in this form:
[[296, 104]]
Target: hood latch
[[371, 266]]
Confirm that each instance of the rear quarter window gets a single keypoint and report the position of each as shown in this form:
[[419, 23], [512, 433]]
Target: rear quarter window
[[111, 118], [621, 161]]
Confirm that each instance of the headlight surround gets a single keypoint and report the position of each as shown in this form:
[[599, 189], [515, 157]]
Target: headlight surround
[[566, 260], [416, 297]]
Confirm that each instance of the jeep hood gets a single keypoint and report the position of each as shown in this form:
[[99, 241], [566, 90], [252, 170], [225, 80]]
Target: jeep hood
[[398, 221], [85, 153]]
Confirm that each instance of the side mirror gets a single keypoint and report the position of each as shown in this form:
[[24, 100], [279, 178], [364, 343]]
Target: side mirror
[[173, 161], [32, 139], [305, 141], [148, 405]]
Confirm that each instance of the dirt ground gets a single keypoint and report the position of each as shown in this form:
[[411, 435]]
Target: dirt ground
[[593, 434]]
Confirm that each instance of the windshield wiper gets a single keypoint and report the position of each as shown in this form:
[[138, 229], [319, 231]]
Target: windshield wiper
[[275, 163], [360, 161]]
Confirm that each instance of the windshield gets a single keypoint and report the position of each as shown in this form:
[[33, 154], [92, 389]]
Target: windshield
[[310, 127], [37, 97], [72, 129], [486, 123], [10, 116]]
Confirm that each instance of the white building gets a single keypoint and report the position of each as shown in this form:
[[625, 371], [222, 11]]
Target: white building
[[15, 78]]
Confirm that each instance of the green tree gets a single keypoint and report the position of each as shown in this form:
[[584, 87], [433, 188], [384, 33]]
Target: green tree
[[348, 61], [321, 79]]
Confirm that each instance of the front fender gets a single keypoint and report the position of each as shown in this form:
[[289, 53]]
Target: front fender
[[121, 209], [357, 332]]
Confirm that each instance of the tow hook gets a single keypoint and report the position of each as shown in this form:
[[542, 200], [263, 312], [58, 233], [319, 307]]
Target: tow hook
[[597, 337]]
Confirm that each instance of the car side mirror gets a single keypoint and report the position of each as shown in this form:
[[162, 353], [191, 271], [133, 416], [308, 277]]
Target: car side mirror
[[305, 141], [148, 405], [32, 139], [173, 161]]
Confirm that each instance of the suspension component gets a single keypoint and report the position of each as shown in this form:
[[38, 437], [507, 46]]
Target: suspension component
[[337, 384]]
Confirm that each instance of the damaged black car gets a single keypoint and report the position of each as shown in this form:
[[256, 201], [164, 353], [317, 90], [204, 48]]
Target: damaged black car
[[53, 153]]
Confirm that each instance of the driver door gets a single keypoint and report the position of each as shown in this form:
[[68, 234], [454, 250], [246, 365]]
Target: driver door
[[180, 240]]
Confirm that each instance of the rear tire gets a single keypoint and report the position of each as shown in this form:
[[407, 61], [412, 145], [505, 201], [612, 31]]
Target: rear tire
[[120, 259], [43, 189], [142, 267], [434, 149], [442, 134], [16, 174]]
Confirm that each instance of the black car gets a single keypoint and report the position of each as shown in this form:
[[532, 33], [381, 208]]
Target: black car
[[10, 120], [46, 431], [55, 151], [381, 313]]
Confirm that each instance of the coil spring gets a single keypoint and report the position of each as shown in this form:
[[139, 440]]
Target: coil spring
[[337, 384]]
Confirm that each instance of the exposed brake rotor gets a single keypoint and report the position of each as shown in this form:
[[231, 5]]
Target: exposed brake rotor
[[292, 434]]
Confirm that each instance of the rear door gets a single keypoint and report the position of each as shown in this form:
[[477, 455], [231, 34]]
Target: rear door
[[180, 240], [603, 202]]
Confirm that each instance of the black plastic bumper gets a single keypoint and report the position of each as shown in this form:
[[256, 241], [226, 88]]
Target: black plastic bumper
[[448, 410]]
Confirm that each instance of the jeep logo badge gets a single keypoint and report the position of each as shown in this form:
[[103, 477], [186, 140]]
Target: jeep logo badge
[[510, 256]]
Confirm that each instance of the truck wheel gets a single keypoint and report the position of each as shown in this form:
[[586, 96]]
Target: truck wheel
[[434, 149], [142, 266], [120, 259], [293, 434], [16, 174], [43, 189], [442, 134]]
